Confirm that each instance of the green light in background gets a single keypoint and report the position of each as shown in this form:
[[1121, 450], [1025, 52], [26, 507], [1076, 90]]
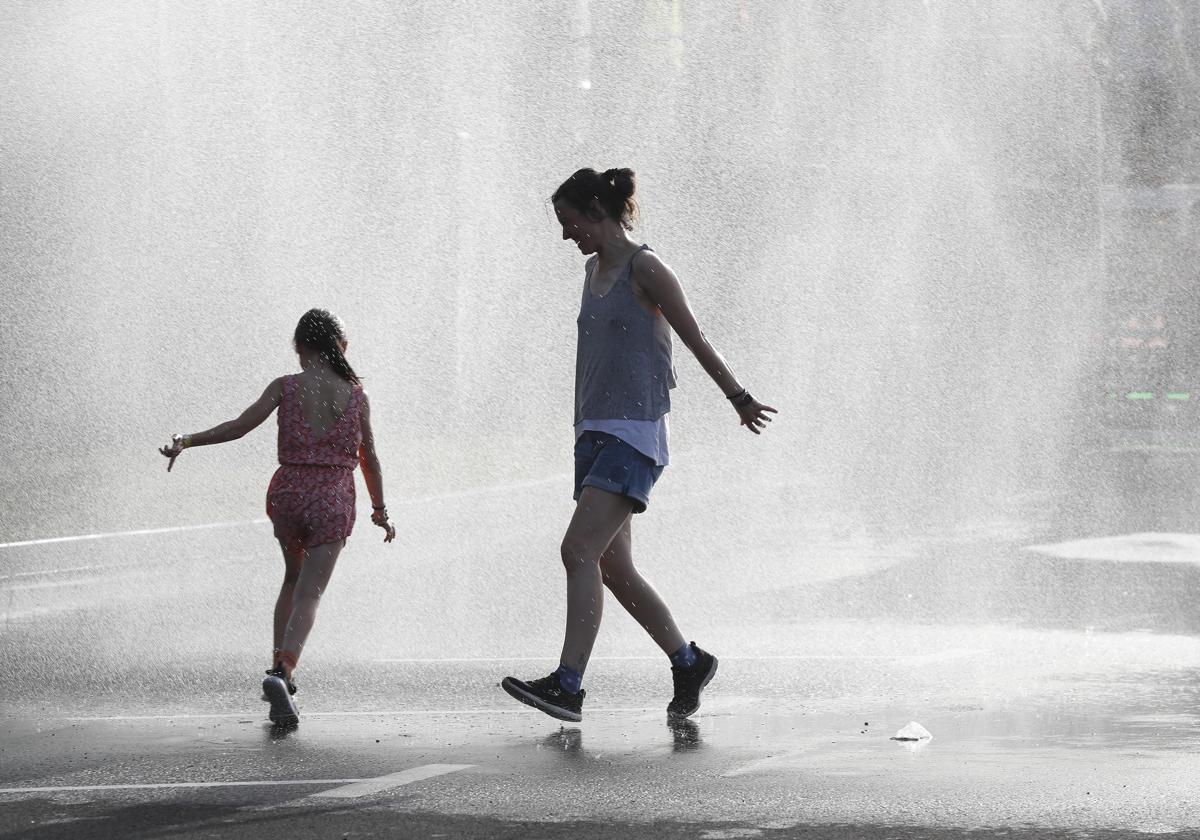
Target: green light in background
[[1182, 396], [1139, 395]]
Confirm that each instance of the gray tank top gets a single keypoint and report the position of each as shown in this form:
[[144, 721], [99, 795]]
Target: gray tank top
[[623, 367]]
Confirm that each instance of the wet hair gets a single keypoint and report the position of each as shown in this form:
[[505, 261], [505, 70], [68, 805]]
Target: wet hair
[[612, 189], [322, 331]]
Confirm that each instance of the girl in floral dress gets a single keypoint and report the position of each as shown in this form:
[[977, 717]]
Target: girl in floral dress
[[324, 432]]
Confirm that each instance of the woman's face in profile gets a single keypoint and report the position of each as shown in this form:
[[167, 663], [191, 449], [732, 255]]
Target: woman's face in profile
[[577, 227]]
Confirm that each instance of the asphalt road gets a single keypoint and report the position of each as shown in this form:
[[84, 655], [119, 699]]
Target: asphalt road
[[1058, 677]]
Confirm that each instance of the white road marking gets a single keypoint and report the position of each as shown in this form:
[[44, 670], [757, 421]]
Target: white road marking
[[347, 787], [508, 710], [139, 533], [436, 497], [370, 787], [1128, 548], [180, 785]]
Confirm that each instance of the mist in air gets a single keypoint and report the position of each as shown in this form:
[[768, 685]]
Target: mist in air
[[918, 229]]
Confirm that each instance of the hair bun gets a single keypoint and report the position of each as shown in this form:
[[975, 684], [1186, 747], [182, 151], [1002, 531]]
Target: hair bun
[[621, 180], [612, 188]]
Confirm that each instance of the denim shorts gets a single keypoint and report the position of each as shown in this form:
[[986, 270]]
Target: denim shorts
[[608, 463]]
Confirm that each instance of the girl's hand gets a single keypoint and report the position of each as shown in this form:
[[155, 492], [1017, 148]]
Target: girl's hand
[[380, 518], [172, 450], [754, 415]]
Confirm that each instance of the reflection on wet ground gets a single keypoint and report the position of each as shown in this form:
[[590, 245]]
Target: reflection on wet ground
[[1047, 744], [1061, 691], [1061, 729]]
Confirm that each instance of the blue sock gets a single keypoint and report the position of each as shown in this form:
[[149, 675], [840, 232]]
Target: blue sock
[[685, 657], [569, 679]]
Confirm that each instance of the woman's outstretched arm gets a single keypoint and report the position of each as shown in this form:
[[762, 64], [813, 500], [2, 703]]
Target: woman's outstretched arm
[[245, 422], [660, 285]]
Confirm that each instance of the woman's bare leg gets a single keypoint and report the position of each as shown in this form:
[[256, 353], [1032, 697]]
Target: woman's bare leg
[[319, 562], [597, 519], [293, 560], [636, 594]]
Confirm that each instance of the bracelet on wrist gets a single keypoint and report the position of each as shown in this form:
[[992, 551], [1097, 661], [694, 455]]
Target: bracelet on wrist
[[736, 396], [743, 399], [378, 507]]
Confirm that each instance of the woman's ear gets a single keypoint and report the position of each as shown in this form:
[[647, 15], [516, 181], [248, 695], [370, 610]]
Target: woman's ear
[[595, 212]]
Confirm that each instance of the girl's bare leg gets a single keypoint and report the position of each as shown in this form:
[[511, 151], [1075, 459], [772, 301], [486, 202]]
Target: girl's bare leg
[[636, 594], [319, 562], [293, 560], [597, 519]]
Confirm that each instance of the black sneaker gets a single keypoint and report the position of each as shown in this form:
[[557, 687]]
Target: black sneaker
[[548, 695], [689, 682], [278, 671], [283, 710]]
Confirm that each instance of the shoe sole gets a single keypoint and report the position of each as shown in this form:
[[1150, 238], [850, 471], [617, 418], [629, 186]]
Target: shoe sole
[[538, 703], [291, 689], [712, 672], [283, 710]]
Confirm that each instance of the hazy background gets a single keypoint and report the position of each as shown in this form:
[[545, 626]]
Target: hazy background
[[899, 221]]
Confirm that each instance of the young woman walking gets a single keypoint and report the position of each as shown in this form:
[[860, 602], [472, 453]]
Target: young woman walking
[[324, 431], [623, 378]]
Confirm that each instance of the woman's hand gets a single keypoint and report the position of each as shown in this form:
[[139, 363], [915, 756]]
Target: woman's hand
[[754, 414], [380, 518], [172, 450]]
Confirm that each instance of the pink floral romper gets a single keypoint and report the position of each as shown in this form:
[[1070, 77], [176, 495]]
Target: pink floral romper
[[311, 497]]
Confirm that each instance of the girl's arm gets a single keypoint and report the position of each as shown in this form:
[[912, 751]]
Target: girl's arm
[[660, 285], [372, 472], [247, 421]]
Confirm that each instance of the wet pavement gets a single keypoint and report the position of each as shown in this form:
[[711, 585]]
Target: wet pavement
[[1058, 671], [1054, 730]]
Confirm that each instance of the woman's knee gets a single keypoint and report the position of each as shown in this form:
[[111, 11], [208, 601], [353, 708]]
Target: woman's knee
[[576, 556]]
